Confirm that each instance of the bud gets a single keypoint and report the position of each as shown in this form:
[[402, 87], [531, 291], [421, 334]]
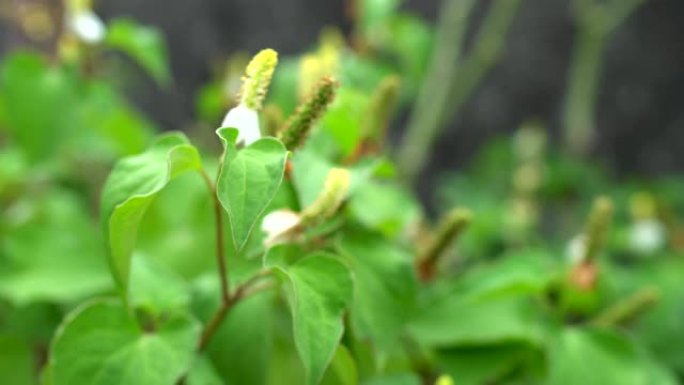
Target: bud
[[381, 108], [244, 116], [330, 199], [296, 129], [280, 226], [84, 23], [257, 78], [647, 236], [449, 228], [597, 227]]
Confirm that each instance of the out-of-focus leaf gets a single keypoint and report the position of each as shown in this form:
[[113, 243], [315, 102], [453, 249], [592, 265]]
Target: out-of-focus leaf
[[16, 362], [386, 288], [143, 44], [452, 319], [480, 365], [53, 250], [241, 349], [342, 369], [100, 344], [132, 186], [601, 357], [40, 104], [375, 205], [203, 373], [155, 289], [343, 118]]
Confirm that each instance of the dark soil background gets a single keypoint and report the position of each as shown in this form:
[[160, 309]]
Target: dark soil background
[[641, 102]]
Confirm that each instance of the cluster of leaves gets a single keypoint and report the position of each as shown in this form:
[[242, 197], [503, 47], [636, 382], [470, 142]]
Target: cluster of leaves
[[308, 261]]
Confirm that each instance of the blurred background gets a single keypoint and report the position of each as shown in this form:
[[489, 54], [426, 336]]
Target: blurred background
[[639, 114]]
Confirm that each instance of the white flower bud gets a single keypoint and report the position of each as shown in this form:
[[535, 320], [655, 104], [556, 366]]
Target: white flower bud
[[87, 26], [647, 236], [576, 249], [246, 121], [278, 226]]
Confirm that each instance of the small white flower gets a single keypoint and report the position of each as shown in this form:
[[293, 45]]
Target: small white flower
[[647, 236], [87, 26], [246, 120], [278, 226], [576, 249]]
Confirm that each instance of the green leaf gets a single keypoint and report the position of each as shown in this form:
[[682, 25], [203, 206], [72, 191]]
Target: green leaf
[[203, 373], [132, 186], [519, 272], [40, 104], [241, 349], [481, 365], [601, 357], [248, 181], [342, 369], [394, 379], [16, 362], [52, 248], [320, 289], [386, 287], [155, 289], [100, 344], [375, 205], [143, 44], [456, 320]]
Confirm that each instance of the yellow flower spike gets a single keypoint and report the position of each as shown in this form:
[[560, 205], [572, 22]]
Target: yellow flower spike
[[257, 78], [334, 192]]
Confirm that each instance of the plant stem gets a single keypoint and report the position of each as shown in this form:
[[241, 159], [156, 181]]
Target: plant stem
[[579, 109], [217, 319], [451, 80], [628, 309], [220, 251], [432, 96], [596, 21]]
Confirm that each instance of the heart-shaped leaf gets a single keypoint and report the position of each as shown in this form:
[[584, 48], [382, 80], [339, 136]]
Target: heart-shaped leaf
[[248, 181], [320, 289], [100, 344], [132, 186]]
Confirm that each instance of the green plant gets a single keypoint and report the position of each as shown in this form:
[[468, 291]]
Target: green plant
[[298, 254]]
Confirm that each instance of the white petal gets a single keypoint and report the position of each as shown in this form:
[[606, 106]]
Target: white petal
[[278, 224], [246, 120], [576, 249], [88, 27], [647, 236]]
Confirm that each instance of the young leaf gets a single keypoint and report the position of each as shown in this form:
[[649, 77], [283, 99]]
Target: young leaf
[[320, 289], [132, 186], [248, 181], [100, 344], [143, 44]]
